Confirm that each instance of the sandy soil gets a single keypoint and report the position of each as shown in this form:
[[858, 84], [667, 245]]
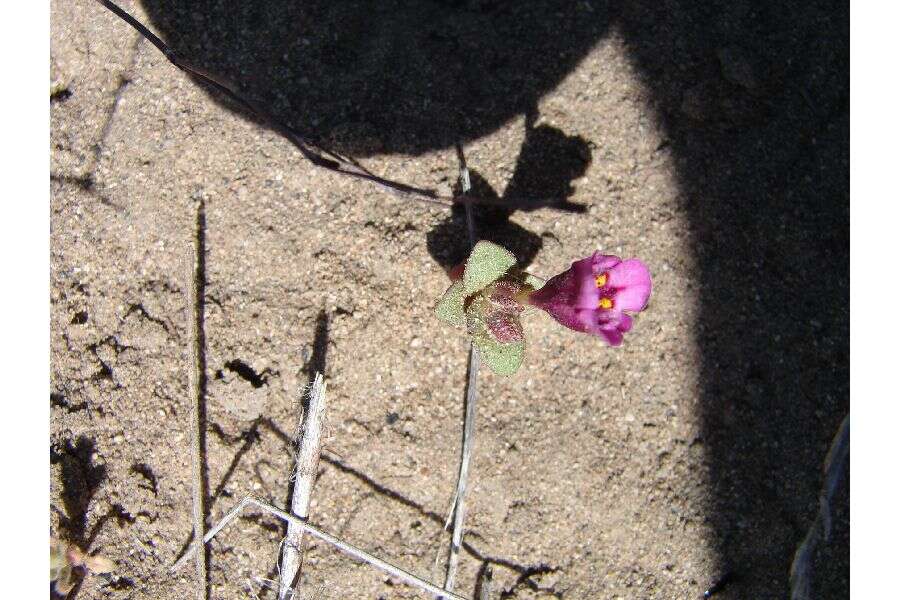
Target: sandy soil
[[712, 142]]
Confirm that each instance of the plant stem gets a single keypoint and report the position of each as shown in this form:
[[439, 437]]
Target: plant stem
[[459, 507]]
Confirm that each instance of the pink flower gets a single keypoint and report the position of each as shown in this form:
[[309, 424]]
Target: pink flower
[[596, 294]]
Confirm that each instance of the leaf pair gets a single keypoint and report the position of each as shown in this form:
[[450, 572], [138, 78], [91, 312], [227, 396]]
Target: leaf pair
[[484, 301]]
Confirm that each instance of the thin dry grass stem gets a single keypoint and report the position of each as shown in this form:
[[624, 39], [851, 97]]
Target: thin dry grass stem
[[459, 507], [309, 448], [834, 467], [344, 547], [194, 376]]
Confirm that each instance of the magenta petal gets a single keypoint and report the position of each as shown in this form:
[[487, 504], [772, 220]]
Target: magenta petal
[[558, 290], [587, 320], [573, 296], [569, 316], [613, 337], [631, 278], [625, 323], [613, 319], [602, 263], [610, 325], [586, 293]]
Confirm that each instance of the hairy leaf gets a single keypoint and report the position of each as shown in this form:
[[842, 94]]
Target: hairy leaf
[[502, 359], [487, 263], [450, 307]]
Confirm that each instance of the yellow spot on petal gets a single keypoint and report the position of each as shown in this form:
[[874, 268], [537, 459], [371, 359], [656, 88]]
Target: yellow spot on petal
[[605, 303], [601, 280]]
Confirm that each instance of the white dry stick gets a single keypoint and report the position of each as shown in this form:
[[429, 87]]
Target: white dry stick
[[459, 507], [193, 249], [341, 545], [834, 467], [310, 442], [459, 510]]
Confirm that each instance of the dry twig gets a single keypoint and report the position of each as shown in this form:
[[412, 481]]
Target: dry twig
[[344, 547], [194, 375], [310, 446]]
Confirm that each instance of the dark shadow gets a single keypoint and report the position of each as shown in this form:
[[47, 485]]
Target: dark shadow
[[80, 481], [448, 242], [754, 100], [198, 313], [318, 358], [246, 372], [403, 76], [146, 472], [548, 162], [525, 581], [61, 401]]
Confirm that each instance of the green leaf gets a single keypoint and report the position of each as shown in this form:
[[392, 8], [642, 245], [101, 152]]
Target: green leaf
[[450, 307], [487, 263], [535, 282], [502, 359]]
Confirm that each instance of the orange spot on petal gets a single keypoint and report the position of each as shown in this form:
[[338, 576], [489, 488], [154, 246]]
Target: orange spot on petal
[[605, 303], [600, 280]]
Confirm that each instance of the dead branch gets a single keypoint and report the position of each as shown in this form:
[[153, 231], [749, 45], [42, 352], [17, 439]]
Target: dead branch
[[310, 446]]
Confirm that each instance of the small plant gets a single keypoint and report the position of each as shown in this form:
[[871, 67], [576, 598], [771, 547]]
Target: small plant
[[66, 559], [595, 295]]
